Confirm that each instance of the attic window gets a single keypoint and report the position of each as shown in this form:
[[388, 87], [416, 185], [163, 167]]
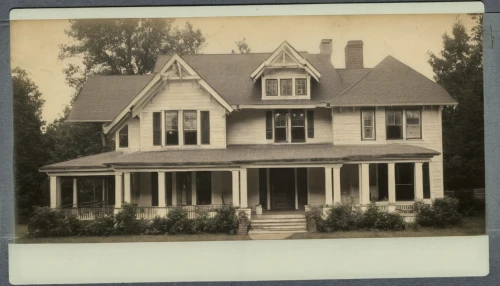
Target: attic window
[[272, 87], [301, 86]]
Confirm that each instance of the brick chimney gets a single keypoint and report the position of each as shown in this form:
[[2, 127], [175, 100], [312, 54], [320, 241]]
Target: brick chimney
[[354, 55], [325, 47]]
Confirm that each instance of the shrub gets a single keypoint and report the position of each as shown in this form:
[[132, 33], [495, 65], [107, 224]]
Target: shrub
[[341, 218], [46, 222], [159, 225], [225, 221], [314, 219], [468, 204], [104, 225], [127, 223], [373, 218], [183, 226], [202, 224], [444, 212], [369, 218]]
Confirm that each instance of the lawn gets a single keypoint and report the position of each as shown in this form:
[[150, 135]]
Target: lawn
[[470, 226]]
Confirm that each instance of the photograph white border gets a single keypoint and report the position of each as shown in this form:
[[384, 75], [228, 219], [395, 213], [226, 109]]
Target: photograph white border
[[249, 260]]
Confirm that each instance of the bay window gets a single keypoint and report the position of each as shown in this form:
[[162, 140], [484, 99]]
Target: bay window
[[172, 127], [190, 127], [368, 124], [413, 124]]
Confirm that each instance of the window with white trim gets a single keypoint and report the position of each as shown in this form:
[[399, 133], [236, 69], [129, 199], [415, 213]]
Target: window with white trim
[[368, 124], [172, 127], [190, 127], [123, 137], [286, 87], [271, 87], [413, 124], [394, 125], [300, 86], [281, 126]]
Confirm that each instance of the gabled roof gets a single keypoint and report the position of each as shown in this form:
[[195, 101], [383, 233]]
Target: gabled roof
[[393, 83], [229, 75], [103, 97]]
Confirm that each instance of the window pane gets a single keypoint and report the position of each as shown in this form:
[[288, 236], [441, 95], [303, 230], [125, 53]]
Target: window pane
[[123, 137], [280, 118], [205, 127], [156, 128], [413, 129], [190, 128], [171, 127], [269, 125], [280, 134], [368, 124], [271, 87], [298, 118], [393, 122], [286, 86], [300, 86], [310, 124], [394, 132]]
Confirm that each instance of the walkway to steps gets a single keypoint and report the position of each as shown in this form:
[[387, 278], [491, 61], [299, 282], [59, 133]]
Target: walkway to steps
[[278, 222]]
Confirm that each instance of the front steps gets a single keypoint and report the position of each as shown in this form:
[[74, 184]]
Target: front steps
[[278, 224]]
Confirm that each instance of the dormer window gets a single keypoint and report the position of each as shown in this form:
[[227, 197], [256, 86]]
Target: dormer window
[[301, 86], [272, 87], [285, 87]]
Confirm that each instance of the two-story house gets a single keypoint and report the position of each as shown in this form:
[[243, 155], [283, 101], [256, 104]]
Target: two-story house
[[283, 130]]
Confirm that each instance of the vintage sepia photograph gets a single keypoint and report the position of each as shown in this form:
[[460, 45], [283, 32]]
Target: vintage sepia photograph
[[248, 128]]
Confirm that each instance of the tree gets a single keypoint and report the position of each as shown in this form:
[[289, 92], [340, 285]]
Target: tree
[[243, 46], [111, 47], [29, 151], [459, 69]]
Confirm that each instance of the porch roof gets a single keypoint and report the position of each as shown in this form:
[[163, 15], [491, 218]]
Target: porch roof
[[248, 154]]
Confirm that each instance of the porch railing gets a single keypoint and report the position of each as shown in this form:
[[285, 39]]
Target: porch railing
[[90, 213]]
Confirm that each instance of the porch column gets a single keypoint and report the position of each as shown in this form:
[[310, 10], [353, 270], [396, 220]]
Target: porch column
[[193, 188], [118, 190], [336, 184], [236, 188], [55, 192], [174, 188], [243, 188], [127, 192], [103, 192], [328, 186], [391, 183], [75, 193], [268, 185], [419, 181], [161, 190], [364, 185]]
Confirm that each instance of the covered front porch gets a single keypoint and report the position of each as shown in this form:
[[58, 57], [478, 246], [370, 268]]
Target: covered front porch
[[258, 190]]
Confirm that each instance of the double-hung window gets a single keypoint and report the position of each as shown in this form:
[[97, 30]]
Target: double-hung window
[[280, 126], [190, 127], [394, 126], [298, 125], [123, 137], [413, 124], [368, 124], [172, 127]]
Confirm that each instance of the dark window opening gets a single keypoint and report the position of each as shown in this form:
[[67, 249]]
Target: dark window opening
[[204, 188], [205, 127], [190, 128], [393, 124], [263, 187], [183, 182], [298, 126], [154, 189], [269, 125], [171, 127], [427, 180], [168, 188], [383, 182], [156, 128], [310, 124], [404, 182], [123, 137]]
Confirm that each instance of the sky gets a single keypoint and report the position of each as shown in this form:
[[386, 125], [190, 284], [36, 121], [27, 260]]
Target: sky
[[408, 38]]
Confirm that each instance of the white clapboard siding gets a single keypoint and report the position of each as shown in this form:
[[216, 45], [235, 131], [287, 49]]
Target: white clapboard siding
[[249, 127], [184, 95], [347, 131]]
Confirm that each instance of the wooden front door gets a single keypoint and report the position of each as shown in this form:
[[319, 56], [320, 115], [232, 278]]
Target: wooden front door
[[282, 183]]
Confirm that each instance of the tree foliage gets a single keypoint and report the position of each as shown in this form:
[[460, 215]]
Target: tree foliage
[[29, 151], [243, 46], [459, 69], [111, 47]]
